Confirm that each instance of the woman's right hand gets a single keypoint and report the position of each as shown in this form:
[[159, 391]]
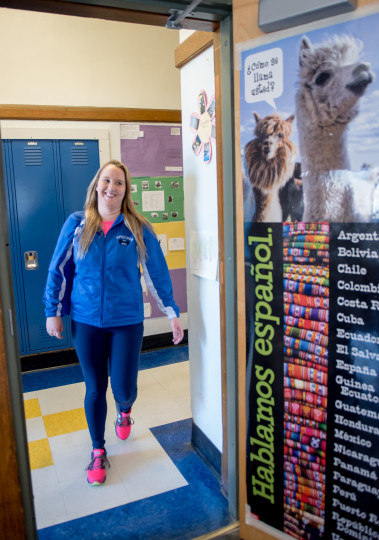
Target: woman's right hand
[[54, 327]]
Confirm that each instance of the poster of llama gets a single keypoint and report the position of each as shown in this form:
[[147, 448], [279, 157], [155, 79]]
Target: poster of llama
[[309, 126]]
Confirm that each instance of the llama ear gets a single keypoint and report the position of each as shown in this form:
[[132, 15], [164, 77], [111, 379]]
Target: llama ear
[[305, 44], [257, 117], [291, 118], [305, 48]]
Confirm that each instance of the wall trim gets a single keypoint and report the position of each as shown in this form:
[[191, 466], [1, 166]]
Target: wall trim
[[194, 45], [98, 114], [206, 449]]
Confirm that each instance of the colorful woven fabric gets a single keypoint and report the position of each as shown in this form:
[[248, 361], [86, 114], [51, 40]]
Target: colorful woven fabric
[[304, 422], [295, 353], [307, 335], [303, 228], [306, 331], [305, 363], [305, 346], [305, 288], [304, 397], [296, 480], [316, 280], [307, 301], [299, 409], [299, 384], [307, 324], [303, 431], [305, 374], [309, 270], [304, 506], [311, 242], [314, 442], [309, 260], [306, 312], [305, 447]]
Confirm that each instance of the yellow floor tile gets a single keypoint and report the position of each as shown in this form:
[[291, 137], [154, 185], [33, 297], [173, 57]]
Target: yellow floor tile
[[65, 422], [40, 454], [32, 408]]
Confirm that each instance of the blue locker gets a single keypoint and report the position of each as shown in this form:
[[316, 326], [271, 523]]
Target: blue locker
[[46, 181], [79, 162]]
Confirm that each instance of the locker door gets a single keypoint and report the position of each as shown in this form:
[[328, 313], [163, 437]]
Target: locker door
[[38, 220], [79, 164]]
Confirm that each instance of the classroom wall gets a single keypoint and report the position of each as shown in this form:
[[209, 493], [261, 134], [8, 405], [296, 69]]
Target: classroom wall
[[49, 59], [203, 294]]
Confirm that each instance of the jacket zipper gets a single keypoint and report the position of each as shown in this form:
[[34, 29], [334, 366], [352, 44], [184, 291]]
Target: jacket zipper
[[103, 238]]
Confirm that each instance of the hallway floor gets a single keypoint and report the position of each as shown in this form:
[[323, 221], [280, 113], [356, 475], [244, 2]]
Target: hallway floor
[[157, 486]]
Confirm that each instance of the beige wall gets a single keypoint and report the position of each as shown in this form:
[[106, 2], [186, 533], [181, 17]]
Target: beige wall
[[60, 60]]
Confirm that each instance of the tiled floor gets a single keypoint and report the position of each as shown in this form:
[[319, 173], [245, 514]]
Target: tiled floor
[[155, 468]]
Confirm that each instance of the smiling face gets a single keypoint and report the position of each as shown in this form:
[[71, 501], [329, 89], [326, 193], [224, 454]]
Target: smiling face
[[111, 188]]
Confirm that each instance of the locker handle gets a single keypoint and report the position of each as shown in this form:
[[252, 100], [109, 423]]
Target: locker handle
[[31, 260]]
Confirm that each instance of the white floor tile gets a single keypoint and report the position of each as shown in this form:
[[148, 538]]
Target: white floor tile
[[59, 399], [35, 429], [30, 395], [50, 508]]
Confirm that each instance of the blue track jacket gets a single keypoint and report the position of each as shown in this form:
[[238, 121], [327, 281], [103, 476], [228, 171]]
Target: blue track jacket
[[104, 288]]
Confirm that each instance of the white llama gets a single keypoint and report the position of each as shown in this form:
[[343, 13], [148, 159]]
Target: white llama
[[331, 81]]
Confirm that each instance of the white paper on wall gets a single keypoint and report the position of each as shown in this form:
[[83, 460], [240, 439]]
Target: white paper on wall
[[147, 309], [153, 201], [176, 244], [130, 131], [163, 242], [204, 254], [143, 283], [173, 169]]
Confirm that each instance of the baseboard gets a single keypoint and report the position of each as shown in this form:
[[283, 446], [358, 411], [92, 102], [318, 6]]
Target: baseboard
[[206, 449], [66, 357]]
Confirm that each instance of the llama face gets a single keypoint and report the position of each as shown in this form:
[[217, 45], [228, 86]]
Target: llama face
[[332, 79], [271, 133], [270, 156]]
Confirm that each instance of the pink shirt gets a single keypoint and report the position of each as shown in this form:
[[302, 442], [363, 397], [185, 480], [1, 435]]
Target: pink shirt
[[106, 225]]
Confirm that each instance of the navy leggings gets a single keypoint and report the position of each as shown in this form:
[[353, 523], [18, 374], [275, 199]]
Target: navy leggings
[[121, 345]]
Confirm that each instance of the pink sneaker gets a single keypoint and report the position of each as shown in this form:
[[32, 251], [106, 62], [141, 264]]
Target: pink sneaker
[[96, 468], [123, 425]]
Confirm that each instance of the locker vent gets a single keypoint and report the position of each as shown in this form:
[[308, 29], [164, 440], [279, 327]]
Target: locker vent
[[43, 335], [79, 155], [33, 155]]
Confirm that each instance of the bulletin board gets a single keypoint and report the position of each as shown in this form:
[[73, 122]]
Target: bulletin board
[[308, 319], [153, 155]]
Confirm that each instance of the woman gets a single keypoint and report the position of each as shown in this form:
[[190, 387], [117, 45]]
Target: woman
[[95, 277]]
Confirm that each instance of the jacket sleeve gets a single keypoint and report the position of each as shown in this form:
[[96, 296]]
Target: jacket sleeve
[[61, 272], [157, 277]]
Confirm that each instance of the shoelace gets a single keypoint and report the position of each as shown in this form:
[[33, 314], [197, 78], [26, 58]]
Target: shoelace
[[124, 421], [98, 462]]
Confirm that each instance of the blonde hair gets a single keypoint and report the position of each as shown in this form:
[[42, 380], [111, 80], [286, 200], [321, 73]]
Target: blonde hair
[[132, 218]]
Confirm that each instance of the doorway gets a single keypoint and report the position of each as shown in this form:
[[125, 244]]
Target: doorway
[[10, 303]]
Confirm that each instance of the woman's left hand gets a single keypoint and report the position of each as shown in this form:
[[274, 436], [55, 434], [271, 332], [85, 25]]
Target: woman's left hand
[[177, 330]]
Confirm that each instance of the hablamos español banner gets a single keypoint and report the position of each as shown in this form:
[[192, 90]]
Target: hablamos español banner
[[309, 149]]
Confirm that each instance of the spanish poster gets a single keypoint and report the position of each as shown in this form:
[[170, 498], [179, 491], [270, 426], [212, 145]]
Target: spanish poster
[[310, 166]]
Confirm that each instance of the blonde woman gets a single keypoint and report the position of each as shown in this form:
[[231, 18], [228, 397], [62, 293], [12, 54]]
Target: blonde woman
[[94, 276]]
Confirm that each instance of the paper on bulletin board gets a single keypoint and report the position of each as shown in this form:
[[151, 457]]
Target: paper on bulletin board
[[143, 285], [130, 131], [204, 254], [147, 309], [163, 242], [153, 201], [176, 244]]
